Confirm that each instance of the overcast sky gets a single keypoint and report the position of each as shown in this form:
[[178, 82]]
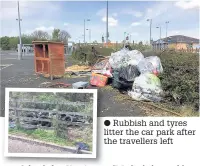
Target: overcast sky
[[127, 17]]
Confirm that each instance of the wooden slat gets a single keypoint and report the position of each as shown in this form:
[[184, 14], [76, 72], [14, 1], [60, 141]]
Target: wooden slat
[[51, 111], [42, 102]]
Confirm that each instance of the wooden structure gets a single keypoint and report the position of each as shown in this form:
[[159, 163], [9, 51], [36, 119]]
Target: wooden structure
[[57, 120], [49, 58]]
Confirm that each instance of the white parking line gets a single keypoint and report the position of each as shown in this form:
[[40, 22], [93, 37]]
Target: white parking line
[[4, 66], [8, 58]]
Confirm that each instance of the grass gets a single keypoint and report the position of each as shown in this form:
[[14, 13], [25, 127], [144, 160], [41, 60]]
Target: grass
[[72, 61], [49, 136], [185, 111], [108, 88]]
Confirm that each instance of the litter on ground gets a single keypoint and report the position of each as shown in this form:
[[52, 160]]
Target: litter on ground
[[77, 68], [127, 69]]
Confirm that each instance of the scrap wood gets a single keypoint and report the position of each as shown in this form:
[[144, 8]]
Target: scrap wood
[[78, 74], [100, 63], [77, 68]]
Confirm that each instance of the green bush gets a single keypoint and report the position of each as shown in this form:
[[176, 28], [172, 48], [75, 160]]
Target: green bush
[[180, 79], [5, 43], [85, 54]]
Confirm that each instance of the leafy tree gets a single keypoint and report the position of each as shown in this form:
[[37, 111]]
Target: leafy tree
[[60, 35], [13, 41], [27, 39], [55, 34], [5, 43]]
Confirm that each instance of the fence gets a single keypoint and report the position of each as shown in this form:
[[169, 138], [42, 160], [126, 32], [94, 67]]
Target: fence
[[165, 47], [28, 50], [54, 119]]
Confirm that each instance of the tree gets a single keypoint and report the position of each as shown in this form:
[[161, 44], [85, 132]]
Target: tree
[[27, 39], [13, 41], [55, 34], [40, 35], [64, 36], [5, 43], [140, 43], [60, 35]]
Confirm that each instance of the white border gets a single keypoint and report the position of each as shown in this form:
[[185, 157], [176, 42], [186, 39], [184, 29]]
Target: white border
[[52, 155]]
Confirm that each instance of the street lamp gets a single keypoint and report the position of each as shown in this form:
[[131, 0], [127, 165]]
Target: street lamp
[[89, 34], [150, 21], [84, 28], [107, 23], [160, 37], [167, 22], [20, 39]]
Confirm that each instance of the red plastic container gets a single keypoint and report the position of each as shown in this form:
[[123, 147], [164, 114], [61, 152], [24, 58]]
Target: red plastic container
[[98, 80]]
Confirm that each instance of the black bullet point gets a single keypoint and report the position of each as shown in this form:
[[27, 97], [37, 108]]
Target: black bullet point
[[107, 123]]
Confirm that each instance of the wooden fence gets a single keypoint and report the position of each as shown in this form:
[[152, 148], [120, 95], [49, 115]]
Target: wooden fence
[[32, 118]]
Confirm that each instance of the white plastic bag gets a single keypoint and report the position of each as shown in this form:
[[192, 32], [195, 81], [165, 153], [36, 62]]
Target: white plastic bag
[[139, 96], [124, 58], [135, 57], [150, 64], [146, 87]]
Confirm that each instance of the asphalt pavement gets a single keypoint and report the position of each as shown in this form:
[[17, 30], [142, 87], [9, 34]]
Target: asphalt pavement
[[20, 74], [19, 146]]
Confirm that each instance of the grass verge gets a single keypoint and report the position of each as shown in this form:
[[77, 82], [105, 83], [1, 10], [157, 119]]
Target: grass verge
[[49, 136]]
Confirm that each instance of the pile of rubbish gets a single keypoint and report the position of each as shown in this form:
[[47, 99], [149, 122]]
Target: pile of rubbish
[[128, 70], [131, 71]]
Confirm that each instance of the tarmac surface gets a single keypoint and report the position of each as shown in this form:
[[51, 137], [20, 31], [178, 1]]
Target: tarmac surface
[[20, 74], [19, 146]]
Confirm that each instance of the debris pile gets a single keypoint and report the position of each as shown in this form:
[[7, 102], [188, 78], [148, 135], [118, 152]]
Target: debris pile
[[128, 70]]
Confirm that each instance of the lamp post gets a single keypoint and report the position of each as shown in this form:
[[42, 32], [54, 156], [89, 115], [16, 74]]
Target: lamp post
[[167, 22], [89, 34], [84, 28], [20, 39], [124, 38], [107, 23], [160, 36], [150, 21]]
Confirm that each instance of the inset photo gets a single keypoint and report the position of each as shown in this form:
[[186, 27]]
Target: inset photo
[[50, 122]]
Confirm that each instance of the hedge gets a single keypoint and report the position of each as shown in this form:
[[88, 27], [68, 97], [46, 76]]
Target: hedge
[[180, 79]]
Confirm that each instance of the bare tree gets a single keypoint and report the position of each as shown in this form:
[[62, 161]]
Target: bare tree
[[40, 35], [64, 36]]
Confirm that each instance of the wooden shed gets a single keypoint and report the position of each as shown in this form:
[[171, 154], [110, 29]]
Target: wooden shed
[[49, 58]]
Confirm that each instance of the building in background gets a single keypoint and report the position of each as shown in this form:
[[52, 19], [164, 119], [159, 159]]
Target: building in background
[[177, 42]]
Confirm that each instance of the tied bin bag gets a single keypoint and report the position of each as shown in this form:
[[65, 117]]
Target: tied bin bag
[[98, 80]]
